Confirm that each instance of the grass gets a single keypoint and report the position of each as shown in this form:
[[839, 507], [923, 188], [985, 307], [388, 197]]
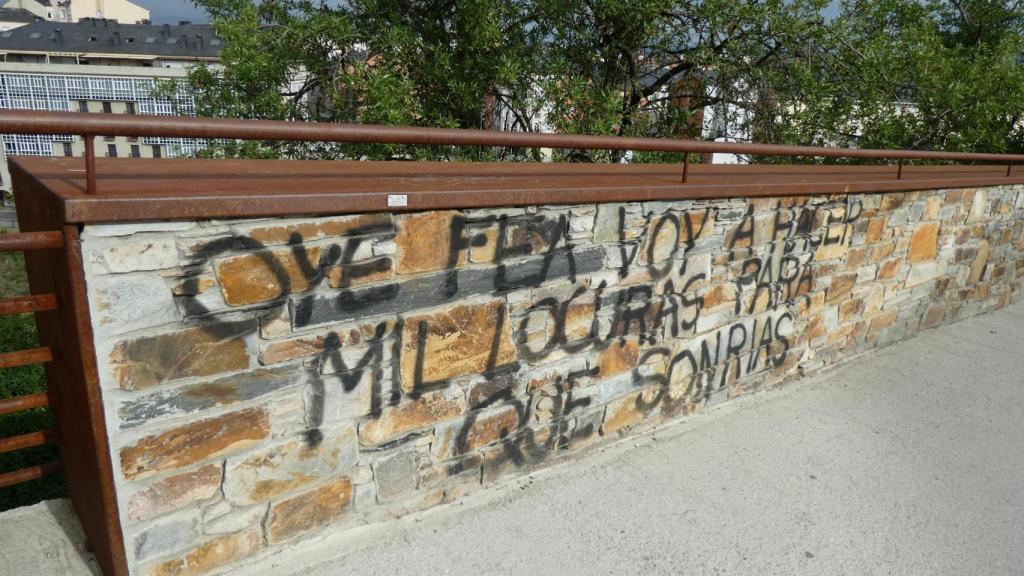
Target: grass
[[18, 333]]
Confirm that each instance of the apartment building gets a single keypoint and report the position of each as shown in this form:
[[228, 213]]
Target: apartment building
[[121, 11], [99, 66]]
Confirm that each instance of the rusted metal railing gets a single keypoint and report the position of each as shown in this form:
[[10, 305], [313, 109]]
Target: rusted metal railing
[[89, 126], [20, 305]]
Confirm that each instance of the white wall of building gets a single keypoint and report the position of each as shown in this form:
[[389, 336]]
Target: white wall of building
[[123, 11], [119, 89]]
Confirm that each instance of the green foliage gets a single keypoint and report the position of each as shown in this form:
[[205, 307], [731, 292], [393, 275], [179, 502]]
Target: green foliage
[[911, 74], [19, 333], [884, 73]]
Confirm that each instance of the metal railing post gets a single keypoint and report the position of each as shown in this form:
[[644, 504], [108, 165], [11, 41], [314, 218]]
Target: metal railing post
[[90, 163]]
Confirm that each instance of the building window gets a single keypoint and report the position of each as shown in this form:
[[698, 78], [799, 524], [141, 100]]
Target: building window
[[129, 108], [156, 152], [111, 150], [67, 148], [135, 151], [107, 108], [83, 106]]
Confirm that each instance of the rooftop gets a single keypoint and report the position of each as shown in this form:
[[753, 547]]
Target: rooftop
[[97, 35], [16, 15]]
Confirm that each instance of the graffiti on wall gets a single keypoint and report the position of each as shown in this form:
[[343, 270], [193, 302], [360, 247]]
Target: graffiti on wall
[[649, 310]]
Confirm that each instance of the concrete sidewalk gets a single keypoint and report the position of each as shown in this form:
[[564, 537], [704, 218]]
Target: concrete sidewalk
[[908, 461]]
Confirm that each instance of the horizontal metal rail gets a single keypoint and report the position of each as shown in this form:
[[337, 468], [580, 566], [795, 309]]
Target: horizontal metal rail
[[27, 402], [26, 357], [84, 123], [23, 304], [30, 473], [30, 440], [91, 125], [30, 241]]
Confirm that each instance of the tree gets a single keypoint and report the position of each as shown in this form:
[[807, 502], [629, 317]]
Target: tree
[[910, 74], [647, 68]]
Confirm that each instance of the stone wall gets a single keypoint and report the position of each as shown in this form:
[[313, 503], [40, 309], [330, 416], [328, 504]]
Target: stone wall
[[266, 380]]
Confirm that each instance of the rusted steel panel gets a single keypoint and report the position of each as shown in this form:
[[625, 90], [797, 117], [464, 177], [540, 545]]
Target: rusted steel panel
[[148, 189], [27, 440], [30, 241], [71, 379], [30, 473], [19, 403], [26, 357], [35, 122], [23, 304]]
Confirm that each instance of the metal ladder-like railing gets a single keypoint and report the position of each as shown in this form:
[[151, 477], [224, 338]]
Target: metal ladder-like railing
[[21, 305]]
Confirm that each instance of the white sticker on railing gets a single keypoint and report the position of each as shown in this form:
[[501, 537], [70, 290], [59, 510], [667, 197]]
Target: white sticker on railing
[[397, 200]]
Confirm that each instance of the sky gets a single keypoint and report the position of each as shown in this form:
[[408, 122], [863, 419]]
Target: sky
[[171, 11]]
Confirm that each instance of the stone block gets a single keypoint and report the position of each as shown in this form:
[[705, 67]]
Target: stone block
[[423, 412], [204, 350], [876, 229], [424, 242], [314, 509], [201, 396], [122, 257], [607, 222], [212, 555], [396, 475], [325, 341], [487, 427], [132, 302], [268, 275], [130, 228], [279, 468], [880, 323], [626, 412], [619, 357], [924, 243], [835, 242], [485, 390], [980, 260], [233, 520], [841, 287], [979, 207], [265, 233], [464, 339], [176, 492], [890, 269], [194, 442], [922, 272], [510, 238], [934, 315], [932, 206], [359, 273], [348, 358], [167, 535], [276, 323], [343, 397]]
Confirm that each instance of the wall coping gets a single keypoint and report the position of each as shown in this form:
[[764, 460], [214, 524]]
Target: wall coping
[[133, 189]]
